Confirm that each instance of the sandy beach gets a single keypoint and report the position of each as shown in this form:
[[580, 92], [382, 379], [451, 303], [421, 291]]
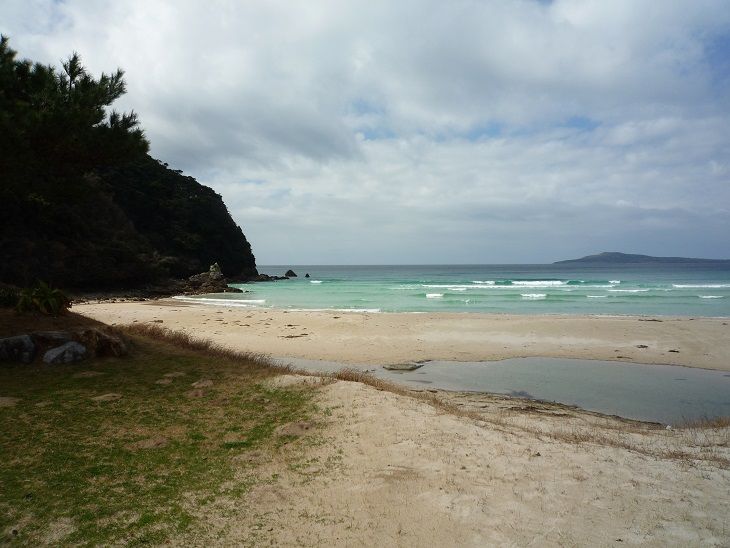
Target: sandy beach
[[407, 468], [376, 338]]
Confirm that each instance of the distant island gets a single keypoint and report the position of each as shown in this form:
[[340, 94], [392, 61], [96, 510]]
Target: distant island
[[614, 257]]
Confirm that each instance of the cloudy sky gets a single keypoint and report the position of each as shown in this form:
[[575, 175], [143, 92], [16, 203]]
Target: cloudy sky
[[467, 131]]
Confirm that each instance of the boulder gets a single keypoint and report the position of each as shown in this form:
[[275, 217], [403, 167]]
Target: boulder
[[306, 275], [17, 349], [99, 343], [208, 282], [266, 278], [69, 352], [290, 274], [214, 272]]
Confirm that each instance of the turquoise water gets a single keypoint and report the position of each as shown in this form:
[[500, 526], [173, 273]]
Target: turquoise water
[[669, 394], [682, 289]]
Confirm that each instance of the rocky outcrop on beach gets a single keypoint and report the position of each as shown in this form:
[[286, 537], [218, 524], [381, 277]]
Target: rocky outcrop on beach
[[58, 347]]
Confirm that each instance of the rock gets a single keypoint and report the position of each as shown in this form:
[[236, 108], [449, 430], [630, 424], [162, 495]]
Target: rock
[[306, 275], [20, 348], [267, 278], [208, 282], [69, 352], [403, 366], [215, 272], [290, 274], [100, 343]]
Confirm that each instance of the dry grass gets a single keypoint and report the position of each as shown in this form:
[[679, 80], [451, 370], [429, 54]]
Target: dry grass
[[696, 441], [184, 340], [703, 423]]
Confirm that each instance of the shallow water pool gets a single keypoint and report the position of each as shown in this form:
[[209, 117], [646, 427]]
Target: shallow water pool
[[668, 394]]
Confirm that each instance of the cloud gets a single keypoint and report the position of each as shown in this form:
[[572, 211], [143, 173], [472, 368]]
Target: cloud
[[427, 131]]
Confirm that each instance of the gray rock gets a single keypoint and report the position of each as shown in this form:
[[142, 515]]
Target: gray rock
[[17, 349], [403, 366], [290, 274], [66, 353]]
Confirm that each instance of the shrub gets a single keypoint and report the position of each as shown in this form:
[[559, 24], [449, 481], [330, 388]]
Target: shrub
[[8, 297], [44, 299]]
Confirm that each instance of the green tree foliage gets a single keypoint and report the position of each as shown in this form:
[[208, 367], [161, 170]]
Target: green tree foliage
[[59, 121], [81, 202]]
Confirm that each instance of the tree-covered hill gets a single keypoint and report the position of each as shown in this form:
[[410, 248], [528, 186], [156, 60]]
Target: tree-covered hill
[[82, 204]]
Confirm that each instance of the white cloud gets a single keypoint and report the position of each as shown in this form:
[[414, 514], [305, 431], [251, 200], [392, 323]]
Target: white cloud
[[427, 131]]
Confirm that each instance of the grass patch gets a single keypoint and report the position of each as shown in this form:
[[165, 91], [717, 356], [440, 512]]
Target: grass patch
[[133, 470]]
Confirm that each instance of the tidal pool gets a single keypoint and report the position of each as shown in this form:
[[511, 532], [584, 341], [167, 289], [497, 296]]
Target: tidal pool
[[668, 394]]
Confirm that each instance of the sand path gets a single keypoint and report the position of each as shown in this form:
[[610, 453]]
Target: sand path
[[387, 470]]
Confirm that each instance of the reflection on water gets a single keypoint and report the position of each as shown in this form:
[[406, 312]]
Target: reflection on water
[[663, 393]]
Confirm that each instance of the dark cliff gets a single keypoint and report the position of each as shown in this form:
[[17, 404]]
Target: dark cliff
[[118, 227], [82, 204]]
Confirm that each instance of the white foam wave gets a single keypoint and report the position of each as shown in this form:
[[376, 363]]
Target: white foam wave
[[371, 310], [483, 282], [711, 296], [434, 295], [614, 281], [534, 296], [315, 281], [596, 296], [538, 283], [700, 286], [448, 286], [458, 289], [246, 303], [628, 290]]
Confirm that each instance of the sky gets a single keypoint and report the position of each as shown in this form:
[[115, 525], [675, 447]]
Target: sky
[[426, 132]]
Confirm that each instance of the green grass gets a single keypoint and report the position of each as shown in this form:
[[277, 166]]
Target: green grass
[[72, 471]]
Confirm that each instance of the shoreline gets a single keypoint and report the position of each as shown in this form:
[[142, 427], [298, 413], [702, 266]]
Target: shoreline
[[365, 338]]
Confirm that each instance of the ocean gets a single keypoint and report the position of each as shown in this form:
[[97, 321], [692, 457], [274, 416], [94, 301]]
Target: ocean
[[693, 289]]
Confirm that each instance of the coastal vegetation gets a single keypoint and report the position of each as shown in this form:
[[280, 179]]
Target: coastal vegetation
[[82, 203], [134, 450]]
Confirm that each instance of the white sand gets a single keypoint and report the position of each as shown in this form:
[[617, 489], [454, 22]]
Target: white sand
[[365, 338]]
